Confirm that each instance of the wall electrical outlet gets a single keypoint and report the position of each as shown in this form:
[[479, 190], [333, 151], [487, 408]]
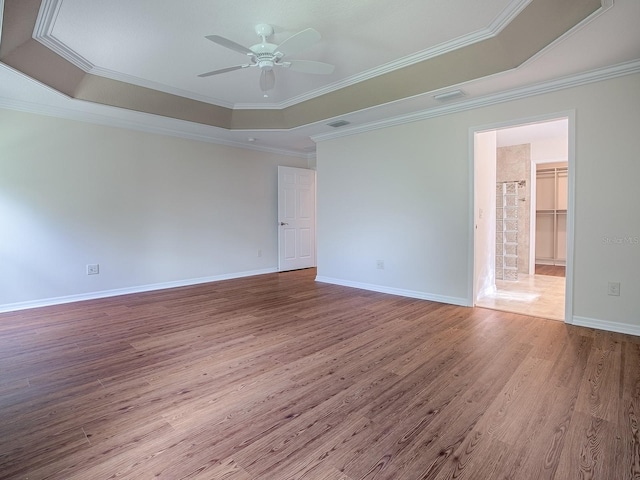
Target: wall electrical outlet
[[614, 289], [380, 265], [93, 269]]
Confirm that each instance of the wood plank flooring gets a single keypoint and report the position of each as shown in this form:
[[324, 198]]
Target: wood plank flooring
[[280, 377], [552, 270]]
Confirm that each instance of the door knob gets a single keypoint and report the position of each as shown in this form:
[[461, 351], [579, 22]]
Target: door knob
[[283, 223]]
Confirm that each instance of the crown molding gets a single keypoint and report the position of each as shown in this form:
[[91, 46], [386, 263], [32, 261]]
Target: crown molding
[[43, 33], [606, 5], [504, 18], [143, 123], [499, 23], [142, 82], [1, 16], [562, 83]]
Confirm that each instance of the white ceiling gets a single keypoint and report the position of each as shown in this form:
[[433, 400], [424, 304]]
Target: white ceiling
[[554, 130], [161, 44]]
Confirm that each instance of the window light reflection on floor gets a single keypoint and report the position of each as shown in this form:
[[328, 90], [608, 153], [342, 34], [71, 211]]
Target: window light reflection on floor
[[515, 296]]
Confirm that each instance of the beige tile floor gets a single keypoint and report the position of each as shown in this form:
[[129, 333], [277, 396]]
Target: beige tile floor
[[536, 295]]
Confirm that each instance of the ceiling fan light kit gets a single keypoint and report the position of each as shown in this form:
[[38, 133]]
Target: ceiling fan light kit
[[263, 30], [267, 56]]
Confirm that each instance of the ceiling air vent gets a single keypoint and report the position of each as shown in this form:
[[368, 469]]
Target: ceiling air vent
[[338, 123], [452, 95]]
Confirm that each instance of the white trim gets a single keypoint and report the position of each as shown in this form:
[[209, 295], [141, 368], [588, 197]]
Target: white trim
[[1, 15], [43, 33], [173, 128], [571, 116], [551, 160], [605, 5], [607, 325], [533, 201], [628, 68], [45, 22], [507, 16], [47, 302], [177, 128], [502, 20], [139, 121], [161, 87], [394, 291], [571, 203], [471, 205], [512, 11]]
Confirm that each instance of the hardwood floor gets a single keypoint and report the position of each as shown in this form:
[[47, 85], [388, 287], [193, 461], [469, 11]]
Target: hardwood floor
[[551, 270], [280, 377]]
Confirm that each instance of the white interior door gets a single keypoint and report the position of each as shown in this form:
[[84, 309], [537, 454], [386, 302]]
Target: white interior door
[[296, 218]]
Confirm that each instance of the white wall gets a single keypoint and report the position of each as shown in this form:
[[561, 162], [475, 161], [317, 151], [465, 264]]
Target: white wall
[[149, 209], [485, 217], [548, 151], [402, 194]]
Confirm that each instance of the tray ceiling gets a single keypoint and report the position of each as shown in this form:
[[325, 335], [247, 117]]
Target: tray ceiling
[[390, 56]]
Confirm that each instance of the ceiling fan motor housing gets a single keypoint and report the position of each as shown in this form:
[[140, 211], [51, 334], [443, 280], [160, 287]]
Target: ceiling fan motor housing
[[264, 54]]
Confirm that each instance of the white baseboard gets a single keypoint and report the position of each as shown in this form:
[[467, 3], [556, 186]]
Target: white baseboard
[[577, 320], [606, 325], [395, 291], [46, 302]]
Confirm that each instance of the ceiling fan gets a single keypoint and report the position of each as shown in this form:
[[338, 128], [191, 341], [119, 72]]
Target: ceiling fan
[[268, 56]]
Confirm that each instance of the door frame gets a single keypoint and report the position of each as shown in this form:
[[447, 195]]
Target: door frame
[[281, 218], [571, 161]]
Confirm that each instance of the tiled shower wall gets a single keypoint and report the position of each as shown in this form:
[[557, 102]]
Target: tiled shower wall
[[513, 164], [507, 230]]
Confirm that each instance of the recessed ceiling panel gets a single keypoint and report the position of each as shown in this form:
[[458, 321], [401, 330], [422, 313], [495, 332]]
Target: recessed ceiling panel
[[391, 58], [161, 43]]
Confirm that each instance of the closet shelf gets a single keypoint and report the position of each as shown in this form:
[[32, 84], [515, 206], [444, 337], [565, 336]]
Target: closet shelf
[[551, 215]]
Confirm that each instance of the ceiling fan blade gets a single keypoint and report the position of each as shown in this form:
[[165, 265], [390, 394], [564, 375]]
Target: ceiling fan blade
[[309, 66], [298, 42], [224, 70], [225, 42], [267, 80]]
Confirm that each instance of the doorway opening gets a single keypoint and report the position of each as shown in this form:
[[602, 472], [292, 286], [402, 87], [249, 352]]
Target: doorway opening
[[522, 243]]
